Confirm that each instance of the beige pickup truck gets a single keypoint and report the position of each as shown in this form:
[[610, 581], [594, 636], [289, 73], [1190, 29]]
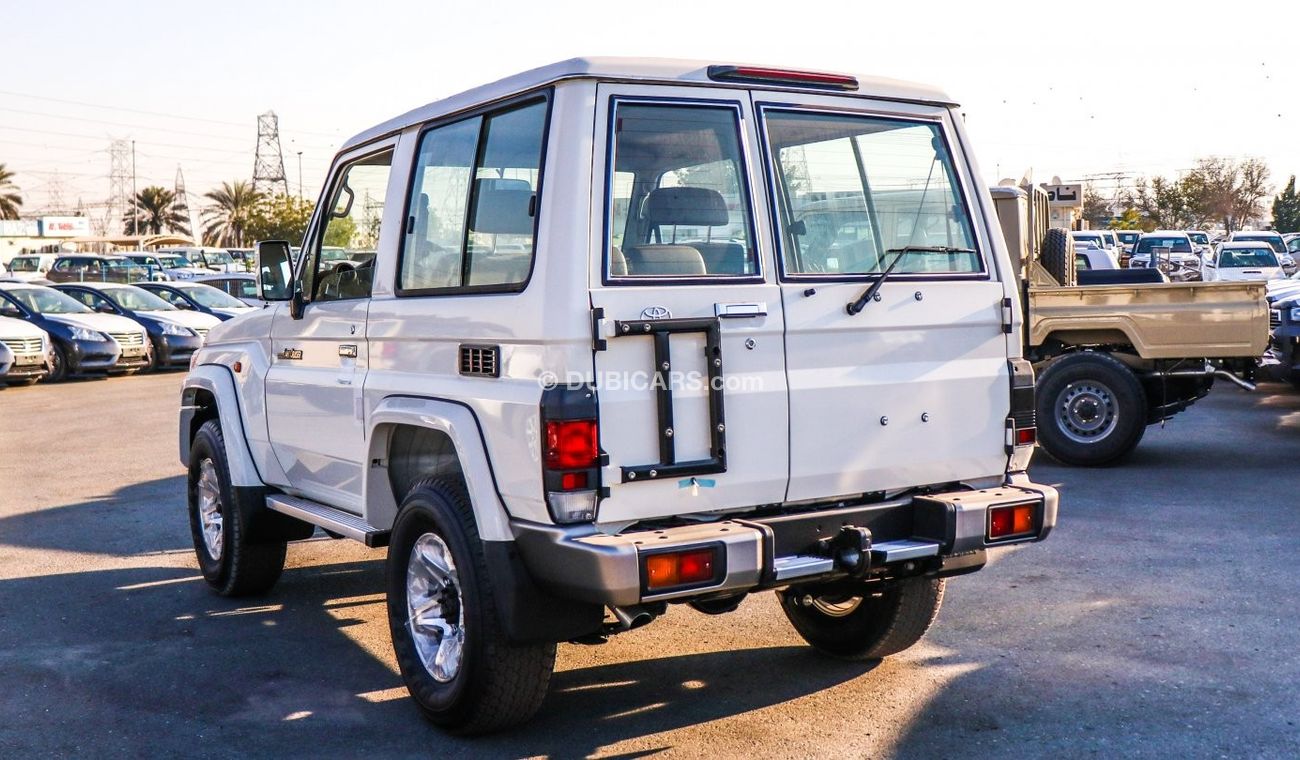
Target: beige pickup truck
[[1114, 351]]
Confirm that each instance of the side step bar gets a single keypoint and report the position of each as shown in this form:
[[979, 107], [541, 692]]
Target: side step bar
[[329, 518]]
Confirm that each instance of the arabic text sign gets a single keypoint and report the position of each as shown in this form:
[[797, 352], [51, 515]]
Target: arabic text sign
[[1065, 195]]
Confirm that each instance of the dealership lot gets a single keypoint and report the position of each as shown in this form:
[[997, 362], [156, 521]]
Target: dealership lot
[[1158, 619]]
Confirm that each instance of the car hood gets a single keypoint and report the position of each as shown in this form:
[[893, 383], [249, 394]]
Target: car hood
[[1279, 289], [1238, 274], [18, 328], [190, 271], [191, 319], [231, 311], [97, 321]]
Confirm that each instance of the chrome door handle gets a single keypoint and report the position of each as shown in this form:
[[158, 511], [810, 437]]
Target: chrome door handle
[[737, 310]]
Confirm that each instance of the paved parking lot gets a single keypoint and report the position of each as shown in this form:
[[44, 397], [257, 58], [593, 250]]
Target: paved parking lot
[[1159, 620]]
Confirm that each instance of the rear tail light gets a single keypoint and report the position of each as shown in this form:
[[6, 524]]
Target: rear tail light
[[1014, 521], [782, 76], [1026, 436], [571, 457], [680, 569]]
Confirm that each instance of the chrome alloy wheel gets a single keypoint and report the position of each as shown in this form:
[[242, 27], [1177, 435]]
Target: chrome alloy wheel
[[210, 516], [836, 606], [435, 612], [1087, 411]]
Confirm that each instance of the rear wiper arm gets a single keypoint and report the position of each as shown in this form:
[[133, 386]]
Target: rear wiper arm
[[870, 293]]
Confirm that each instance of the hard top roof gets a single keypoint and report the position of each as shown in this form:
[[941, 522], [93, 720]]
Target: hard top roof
[[663, 70]]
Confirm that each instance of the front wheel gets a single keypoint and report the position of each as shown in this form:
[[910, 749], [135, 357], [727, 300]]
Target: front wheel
[[58, 365], [1092, 409], [456, 660], [869, 624]]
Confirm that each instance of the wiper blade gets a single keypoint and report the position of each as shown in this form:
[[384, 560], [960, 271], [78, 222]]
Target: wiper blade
[[870, 293]]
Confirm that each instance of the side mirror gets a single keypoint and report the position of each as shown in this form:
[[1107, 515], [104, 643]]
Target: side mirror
[[104, 308], [275, 270]]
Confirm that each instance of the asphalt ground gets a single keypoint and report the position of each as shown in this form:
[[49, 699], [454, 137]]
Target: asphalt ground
[[1159, 620]]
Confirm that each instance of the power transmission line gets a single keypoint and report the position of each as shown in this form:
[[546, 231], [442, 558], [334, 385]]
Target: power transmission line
[[268, 161]]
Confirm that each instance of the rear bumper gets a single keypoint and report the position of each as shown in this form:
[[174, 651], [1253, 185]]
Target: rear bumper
[[943, 534]]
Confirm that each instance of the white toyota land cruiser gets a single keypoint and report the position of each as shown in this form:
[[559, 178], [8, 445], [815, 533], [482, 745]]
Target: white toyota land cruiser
[[619, 334]]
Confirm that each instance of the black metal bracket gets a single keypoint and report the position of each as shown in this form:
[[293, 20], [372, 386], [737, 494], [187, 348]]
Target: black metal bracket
[[661, 330], [597, 340]]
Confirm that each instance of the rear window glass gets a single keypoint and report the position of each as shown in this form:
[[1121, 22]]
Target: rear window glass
[[1176, 244], [857, 192], [1247, 257]]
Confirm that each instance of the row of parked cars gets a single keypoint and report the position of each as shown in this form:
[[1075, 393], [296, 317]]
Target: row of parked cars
[[1190, 255], [53, 331], [131, 266]]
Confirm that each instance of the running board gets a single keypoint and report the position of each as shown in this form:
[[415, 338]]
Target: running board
[[331, 519]]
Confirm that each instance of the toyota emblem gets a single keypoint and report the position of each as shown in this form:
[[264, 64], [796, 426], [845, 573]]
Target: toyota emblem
[[655, 312]]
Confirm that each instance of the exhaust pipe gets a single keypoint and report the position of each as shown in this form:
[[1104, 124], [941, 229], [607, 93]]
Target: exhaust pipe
[[1209, 372], [632, 617]]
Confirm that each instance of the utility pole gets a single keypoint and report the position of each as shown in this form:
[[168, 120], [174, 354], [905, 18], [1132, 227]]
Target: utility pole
[[299, 175], [118, 177], [135, 199]]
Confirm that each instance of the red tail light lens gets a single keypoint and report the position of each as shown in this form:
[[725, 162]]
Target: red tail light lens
[[782, 76], [1026, 436], [1013, 521], [680, 568], [571, 444]]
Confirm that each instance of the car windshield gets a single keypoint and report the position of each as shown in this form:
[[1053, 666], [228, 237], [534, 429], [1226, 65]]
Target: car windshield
[[120, 264], [217, 257], [1247, 257], [335, 254], [47, 301], [1273, 240], [1200, 238], [1177, 244], [1094, 239], [206, 295], [173, 262], [24, 264], [137, 299], [1128, 237]]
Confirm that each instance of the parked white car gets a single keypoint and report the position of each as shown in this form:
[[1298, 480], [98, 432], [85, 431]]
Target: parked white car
[[644, 380], [1171, 251], [31, 266], [28, 347], [1097, 238], [1233, 262], [1274, 239], [166, 266], [1092, 257]]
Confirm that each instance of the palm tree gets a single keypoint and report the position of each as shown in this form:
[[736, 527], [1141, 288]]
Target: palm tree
[[10, 200], [157, 213], [233, 206]]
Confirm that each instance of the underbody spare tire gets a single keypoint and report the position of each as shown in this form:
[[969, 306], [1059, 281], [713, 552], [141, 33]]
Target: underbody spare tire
[[1091, 409], [874, 621], [455, 657], [1057, 255]]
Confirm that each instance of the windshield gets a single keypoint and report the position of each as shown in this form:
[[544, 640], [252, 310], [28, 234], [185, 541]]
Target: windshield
[[136, 299], [217, 257], [120, 264], [1273, 240], [175, 262], [1129, 237], [47, 301], [1094, 239], [206, 295], [1200, 238], [1247, 257], [24, 264], [1178, 244], [334, 254]]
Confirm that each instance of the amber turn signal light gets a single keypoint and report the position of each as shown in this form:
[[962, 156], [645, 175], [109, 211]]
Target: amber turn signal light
[[1012, 522], [685, 568]]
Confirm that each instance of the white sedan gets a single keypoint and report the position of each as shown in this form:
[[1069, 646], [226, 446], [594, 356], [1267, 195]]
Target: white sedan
[[1234, 262]]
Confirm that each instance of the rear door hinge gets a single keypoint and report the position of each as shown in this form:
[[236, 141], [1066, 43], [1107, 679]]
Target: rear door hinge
[[598, 329], [1007, 315]]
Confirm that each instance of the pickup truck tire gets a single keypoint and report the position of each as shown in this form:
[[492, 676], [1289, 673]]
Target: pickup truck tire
[[1057, 255], [1091, 411], [472, 679], [867, 626], [231, 563]]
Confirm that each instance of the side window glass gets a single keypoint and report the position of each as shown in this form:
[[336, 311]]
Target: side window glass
[[857, 192], [339, 263], [678, 205], [84, 297], [473, 203], [172, 298]]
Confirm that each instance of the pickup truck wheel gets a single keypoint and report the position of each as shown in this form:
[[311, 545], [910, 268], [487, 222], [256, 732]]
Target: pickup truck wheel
[[456, 660], [230, 563], [867, 626], [1091, 409]]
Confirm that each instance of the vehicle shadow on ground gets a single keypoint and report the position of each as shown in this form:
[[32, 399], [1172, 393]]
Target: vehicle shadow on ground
[[146, 657], [145, 517]]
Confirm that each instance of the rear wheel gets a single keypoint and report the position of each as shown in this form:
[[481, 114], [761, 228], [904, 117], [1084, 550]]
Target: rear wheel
[[231, 562], [1092, 409], [456, 660], [868, 624]]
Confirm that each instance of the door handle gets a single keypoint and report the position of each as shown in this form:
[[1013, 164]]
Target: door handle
[[348, 351], [737, 310]]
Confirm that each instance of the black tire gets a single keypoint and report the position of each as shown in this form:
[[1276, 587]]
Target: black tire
[[1057, 255], [58, 365], [498, 683], [1076, 386], [869, 626], [238, 567], [152, 365]]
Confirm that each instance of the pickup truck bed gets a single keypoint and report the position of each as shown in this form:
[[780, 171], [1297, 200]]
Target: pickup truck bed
[[1214, 320]]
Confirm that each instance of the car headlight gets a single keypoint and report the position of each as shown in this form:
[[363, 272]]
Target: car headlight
[[171, 328], [85, 333], [1293, 315]]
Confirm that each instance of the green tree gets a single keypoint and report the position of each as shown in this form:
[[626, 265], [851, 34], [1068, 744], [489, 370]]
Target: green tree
[[226, 219], [1164, 202], [280, 217], [1227, 191], [1129, 219], [1286, 209], [340, 232], [154, 212], [10, 199], [1096, 209]]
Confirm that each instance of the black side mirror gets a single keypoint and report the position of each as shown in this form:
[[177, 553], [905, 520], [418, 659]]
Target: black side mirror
[[275, 270], [104, 308]]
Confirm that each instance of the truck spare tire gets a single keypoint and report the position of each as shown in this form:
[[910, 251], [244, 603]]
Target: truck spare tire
[[1057, 255]]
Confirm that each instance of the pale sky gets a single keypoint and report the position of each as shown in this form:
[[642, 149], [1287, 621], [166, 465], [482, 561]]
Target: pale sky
[[1069, 89]]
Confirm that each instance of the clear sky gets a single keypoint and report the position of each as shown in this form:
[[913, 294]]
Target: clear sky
[[1069, 89]]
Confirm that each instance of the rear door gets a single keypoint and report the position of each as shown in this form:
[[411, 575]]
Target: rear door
[[691, 378], [913, 389]]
